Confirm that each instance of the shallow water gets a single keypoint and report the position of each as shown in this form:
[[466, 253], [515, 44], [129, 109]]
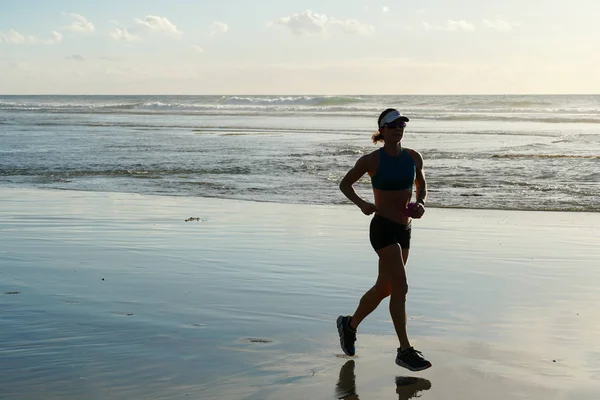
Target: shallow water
[[499, 152]]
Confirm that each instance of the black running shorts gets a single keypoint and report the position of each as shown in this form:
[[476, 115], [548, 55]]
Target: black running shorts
[[384, 232]]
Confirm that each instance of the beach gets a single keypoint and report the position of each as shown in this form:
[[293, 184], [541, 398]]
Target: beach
[[131, 296], [179, 185]]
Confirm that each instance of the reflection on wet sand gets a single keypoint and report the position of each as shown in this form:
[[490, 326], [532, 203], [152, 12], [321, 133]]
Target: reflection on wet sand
[[407, 387]]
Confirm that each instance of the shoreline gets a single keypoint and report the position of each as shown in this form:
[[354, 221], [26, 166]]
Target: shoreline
[[286, 203]]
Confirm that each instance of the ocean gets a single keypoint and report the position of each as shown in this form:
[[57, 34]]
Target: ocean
[[481, 152]]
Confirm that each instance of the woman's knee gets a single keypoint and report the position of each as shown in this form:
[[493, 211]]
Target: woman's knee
[[399, 287]]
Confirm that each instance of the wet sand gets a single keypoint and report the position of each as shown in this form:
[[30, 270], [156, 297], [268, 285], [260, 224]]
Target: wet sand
[[117, 296]]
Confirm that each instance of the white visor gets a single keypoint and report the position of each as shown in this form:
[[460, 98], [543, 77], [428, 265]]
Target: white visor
[[391, 117]]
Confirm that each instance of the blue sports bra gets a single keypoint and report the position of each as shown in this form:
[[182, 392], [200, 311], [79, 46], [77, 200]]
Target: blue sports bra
[[394, 173]]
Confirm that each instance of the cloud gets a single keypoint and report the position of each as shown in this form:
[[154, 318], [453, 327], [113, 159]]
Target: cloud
[[79, 24], [218, 27], [75, 57], [309, 23], [124, 35], [14, 37], [142, 27], [451, 25], [57, 37], [460, 25], [197, 48], [352, 26], [500, 25], [159, 24]]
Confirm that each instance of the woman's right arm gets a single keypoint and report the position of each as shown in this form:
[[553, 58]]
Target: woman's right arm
[[360, 168]]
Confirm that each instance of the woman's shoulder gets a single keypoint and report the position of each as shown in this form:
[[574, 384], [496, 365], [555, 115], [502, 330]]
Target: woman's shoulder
[[370, 160], [412, 152], [374, 152], [416, 156], [374, 155], [371, 155]]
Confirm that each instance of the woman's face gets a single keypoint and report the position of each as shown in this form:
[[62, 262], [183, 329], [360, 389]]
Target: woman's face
[[393, 132]]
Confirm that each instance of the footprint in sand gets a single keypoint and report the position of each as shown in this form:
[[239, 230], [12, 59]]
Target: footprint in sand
[[195, 325], [198, 219], [257, 340]]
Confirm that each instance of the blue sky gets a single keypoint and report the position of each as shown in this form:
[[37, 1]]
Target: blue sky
[[299, 47]]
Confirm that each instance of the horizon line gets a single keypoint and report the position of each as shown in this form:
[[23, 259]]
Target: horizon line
[[300, 94]]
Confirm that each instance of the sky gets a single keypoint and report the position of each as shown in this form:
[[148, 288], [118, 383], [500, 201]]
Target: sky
[[299, 47]]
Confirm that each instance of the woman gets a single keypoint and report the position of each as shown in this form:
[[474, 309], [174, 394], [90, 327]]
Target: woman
[[393, 170]]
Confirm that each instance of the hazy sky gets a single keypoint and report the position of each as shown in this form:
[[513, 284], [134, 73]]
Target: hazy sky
[[299, 47]]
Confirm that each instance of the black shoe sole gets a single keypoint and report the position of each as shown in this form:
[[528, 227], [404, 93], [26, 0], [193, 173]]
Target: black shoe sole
[[408, 367]]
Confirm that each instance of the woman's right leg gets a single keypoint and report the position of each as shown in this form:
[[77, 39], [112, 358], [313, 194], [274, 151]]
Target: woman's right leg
[[392, 265]]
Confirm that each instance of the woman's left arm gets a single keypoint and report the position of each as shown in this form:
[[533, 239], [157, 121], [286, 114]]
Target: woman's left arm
[[420, 182], [420, 185]]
